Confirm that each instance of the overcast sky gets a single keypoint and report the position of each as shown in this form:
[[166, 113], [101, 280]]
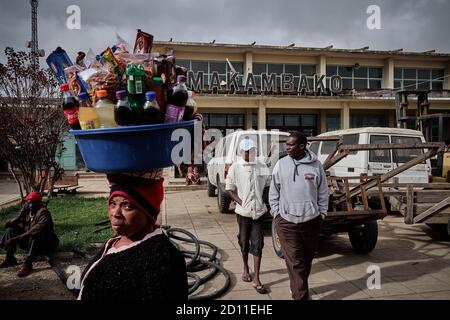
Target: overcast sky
[[415, 25]]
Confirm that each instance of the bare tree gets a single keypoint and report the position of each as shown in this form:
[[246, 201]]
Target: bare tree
[[32, 123]]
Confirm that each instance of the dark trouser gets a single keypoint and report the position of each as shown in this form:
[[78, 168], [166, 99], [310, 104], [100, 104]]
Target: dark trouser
[[250, 236], [298, 244], [38, 244]]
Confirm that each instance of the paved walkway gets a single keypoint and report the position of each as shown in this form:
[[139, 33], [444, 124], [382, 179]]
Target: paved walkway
[[414, 260]]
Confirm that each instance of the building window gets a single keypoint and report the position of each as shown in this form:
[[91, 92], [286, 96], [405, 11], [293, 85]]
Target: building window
[[295, 69], [254, 120], [333, 121], [223, 121], [357, 78], [208, 67], [361, 120], [307, 123], [422, 79]]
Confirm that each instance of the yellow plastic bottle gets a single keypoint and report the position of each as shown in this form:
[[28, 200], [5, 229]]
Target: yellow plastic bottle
[[105, 110], [87, 115]]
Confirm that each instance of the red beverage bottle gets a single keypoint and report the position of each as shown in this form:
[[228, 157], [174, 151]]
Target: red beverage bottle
[[70, 107], [177, 97]]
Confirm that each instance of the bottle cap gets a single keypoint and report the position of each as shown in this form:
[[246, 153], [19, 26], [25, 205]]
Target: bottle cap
[[82, 96], [157, 81], [121, 94], [64, 87], [150, 95], [181, 78], [102, 93]]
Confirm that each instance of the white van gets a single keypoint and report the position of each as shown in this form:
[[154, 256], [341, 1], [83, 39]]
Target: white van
[[226, 152], [376, 162]]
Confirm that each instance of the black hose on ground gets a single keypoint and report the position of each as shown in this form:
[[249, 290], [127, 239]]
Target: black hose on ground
[[197, 261]]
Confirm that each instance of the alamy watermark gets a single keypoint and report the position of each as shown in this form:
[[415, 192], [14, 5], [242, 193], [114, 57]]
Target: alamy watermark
[[73, 21], [74, 279], [374, 280], [374, 19]]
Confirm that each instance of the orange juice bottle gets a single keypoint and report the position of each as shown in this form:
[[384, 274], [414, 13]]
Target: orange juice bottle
[[86, 114]]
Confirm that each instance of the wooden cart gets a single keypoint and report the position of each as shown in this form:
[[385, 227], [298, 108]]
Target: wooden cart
[[355, 206]]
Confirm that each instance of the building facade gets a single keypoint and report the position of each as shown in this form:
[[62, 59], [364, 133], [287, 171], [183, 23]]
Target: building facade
[[369, 80]]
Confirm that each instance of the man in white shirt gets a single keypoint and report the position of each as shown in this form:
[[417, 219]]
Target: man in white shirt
[[245, 185]]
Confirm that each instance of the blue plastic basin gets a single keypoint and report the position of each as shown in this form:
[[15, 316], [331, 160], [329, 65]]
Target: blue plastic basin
[[129, 148]]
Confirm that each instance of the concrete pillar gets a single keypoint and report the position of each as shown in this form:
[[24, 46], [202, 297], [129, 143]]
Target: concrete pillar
[[388, 74], [248, 118], [447, 77], [248, 64], [323, 121], [345, 116], [261, 116], [322, 65]]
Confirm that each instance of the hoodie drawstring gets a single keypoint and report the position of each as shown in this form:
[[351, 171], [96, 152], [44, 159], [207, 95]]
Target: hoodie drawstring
[[295, 169]]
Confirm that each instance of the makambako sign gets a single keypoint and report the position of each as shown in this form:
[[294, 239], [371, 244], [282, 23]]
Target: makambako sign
[[270, 83]]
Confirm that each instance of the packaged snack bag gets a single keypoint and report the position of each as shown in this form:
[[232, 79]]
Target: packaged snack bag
[[107, 56], [104, 79], [58, 60], [144, 42], [76, 84]]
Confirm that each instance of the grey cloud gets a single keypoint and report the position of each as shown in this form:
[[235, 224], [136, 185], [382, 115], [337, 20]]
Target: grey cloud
[[414, 25]]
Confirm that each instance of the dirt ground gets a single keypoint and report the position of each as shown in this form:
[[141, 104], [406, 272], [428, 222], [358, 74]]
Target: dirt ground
[[42, 284]]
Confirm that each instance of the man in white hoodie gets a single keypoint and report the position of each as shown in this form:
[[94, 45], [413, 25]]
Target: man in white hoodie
[[298, 200], [245, 184]]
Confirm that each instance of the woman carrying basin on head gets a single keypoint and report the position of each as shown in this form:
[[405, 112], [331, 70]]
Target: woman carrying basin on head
[[139, 263]]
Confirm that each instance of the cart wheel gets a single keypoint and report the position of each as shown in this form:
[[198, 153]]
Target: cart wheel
[[440, 227], [211, 189], [276, 241], [364, 238], [223, 200]]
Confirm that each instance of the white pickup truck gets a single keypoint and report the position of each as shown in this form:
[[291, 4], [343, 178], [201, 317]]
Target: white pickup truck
[[269, 145]]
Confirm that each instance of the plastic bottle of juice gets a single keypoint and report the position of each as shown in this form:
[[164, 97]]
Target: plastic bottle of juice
[[177, 97], [123, 114], [151, 113], [156, 84], [105, 110], [86, 114]]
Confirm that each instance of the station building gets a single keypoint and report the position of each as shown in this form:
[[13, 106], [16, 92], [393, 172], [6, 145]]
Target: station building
[[368, 79]]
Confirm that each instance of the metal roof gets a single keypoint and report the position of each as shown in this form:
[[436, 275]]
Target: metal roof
[[301, 50]]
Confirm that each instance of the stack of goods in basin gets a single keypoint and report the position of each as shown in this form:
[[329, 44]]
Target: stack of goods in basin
[[123, 106]]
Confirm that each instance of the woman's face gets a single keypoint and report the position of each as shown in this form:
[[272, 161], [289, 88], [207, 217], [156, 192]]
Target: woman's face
[[126, 220]]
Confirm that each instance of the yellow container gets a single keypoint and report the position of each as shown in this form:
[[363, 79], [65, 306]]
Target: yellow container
[[88, 118], [446, 164]]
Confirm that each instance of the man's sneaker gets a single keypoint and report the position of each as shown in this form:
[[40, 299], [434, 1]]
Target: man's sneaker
[[24, 271], [8, 262]]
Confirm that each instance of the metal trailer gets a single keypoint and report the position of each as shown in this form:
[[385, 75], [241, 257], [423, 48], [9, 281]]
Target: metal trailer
[[355, 206]]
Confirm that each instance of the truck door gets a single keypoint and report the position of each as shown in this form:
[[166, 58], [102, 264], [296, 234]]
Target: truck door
[[379, 160]]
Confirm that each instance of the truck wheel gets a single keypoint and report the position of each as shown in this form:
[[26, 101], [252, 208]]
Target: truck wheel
[[211, 189], [276, 241], [223, 200], [364, 238]]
